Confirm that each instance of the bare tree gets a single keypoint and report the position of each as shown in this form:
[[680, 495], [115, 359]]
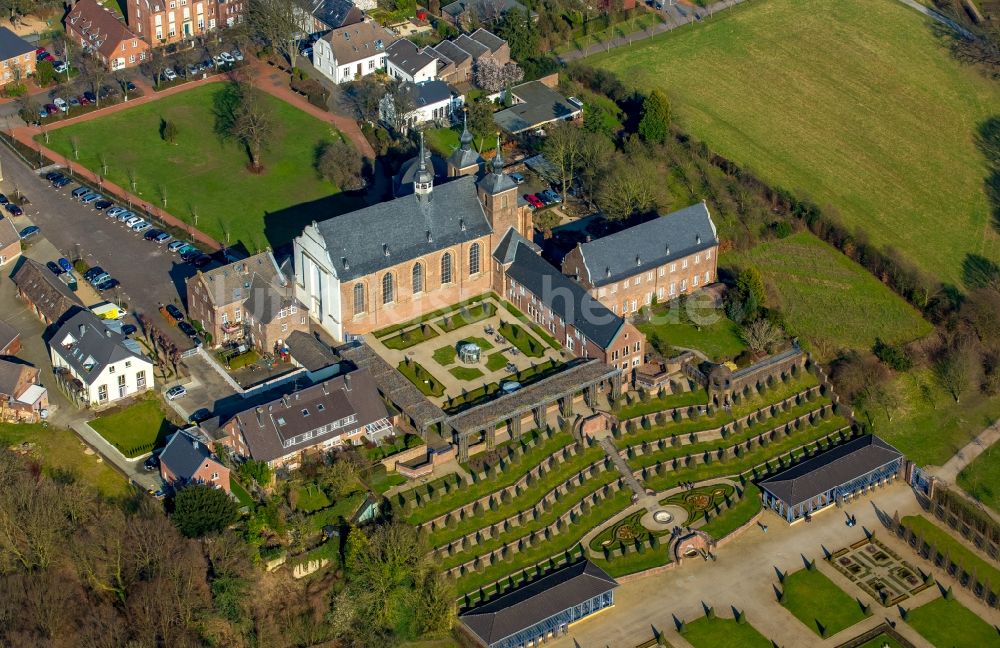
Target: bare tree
[[564, 148], [242, 114], [761, 336], [94, 73], [277, 23], [398, 103], [364, 96], [626, 190], [954, 367]]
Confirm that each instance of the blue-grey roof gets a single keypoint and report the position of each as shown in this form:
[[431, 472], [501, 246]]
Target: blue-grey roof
[[408, 57], [649, 245], [184, 454], [504, 252], [456, 8], [382, 235], [336, 13], [452, 52], [88, 345], [539, 105], [488, 38], [472, 46], [426, 93], [565, 297], [12, 45]]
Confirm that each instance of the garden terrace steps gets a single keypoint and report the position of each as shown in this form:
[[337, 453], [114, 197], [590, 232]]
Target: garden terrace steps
[[695, 442]]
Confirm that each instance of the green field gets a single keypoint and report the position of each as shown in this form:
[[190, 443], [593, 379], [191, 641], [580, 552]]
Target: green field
[[817, 602], [829, 299], [712, 633], [204, 175], [853, 103], [949, 624], [136, 429], [981, 478]]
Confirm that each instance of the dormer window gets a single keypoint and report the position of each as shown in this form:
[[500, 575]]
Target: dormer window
[[305, 413]]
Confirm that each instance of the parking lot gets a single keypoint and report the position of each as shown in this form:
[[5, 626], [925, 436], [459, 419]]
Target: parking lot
[[149, 274]]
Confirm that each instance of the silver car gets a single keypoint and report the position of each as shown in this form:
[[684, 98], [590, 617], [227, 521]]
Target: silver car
[[132, 221], [141, 226]]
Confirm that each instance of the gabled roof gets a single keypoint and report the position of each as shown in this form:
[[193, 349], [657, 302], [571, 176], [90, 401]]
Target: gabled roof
[[101, 29], [524, 607], [184, 455], [12, 45], [471, 46], [258, 277], [309, 352], [827, 470], [387, 233], [7, 334], [336, 13], [358, 42], [49, 295], [489, 39], [452, 52], [10, 375], [268, 427], [407, 57], [89, 346], [428, 93], [649, 245], [267, 300], [568, 299], [504, 252], [539, 105]]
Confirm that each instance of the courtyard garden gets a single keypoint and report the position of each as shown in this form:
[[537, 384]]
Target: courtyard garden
[[945, 622], [422, 378], [711, 631], [202, 178], [817, 602], [136, 429], [625, 532], [701, 499]]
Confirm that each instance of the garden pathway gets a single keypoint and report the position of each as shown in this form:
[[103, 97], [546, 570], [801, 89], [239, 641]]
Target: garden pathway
[[609, 448], [948, 473]]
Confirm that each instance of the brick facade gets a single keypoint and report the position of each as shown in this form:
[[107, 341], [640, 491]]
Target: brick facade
[[160, 22], [97, 29]]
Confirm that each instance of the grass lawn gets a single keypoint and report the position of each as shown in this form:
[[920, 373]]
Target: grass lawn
[[205, 175], [634, 562], [520, 339], [719, 340], [959, 553], [733, 518], [854, 103], [981, 478], [445, 355], [241, 493], [483, 343], [467, 315], [670, 401], [412, 337], [422, 378], [640, 20], [930, 426], [60, 451], [465, 373], [712, 633], [949, 624], [135, 430], [496, 361], [817, 602], [311, 498], [814, 281], [881, 641]]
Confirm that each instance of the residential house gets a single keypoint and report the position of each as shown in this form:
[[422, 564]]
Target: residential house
[[251, 300], [320, 16], [10, 241], [316, 357], [352, 52], [161, 22], [433, 102], [660, 260], [461, 14], [17, 57], [406, 62], [535, 104], [22, 398], [104, 366], [47, 297], [565, 309], [188, 460], [99, 31], [346, 410], [457, 57], [10, 339]]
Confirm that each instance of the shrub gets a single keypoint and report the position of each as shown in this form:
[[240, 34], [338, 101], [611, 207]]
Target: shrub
[[199, 510]]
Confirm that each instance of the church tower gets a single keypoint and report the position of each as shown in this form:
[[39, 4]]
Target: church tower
[[498, 193], [465, 160], [423, 181]]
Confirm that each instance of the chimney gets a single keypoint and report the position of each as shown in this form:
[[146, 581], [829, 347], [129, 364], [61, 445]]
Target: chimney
[[385, 249], [194, 443], [638, 261], [697, 239], [347, 382], [326, 391], [668, 250], [83, 330], [260, 416]]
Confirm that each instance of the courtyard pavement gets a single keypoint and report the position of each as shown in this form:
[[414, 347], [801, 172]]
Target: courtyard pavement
[[744, 575]]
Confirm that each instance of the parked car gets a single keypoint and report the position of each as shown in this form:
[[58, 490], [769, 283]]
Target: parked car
[[219, 61], [132, 220], [4, 199], [60, 104], [107, 91], [166, 315], [13, 209], [141, 226], [114, 211], [201, 260], [99, 278], [175, 392], [61, 182], [190, 254], [176, 245], [193, 69], [227, 57], [60, 67], [151, 463], [130, 86], [306, 52], [534, 201], [40, 53], [517, 178], [128, 329], [238, 55], [187, 330], [80, 192], [162, 238], [29, 231], [91, 197], [125, 216], [552, 196], [65, 265], [107, 284], [52, 175], [200, 415], [51, 108], [152, 234], [175, 312], [74, 102], [96, 271], [168, 75], [90, 97], [103, 204], [54, 267]]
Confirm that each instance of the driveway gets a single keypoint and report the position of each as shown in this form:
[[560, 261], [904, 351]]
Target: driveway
[[150, 274]]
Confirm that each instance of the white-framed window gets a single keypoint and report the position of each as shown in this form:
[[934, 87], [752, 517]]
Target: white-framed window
[[625, 284], [284, 327], [708, 254], [102, 393], [708, 277], [111, 369], [635, 305], [128, 363], [684, 264], [649, 276], [239, 314], [140, 379], [638, 279], [661, 271], [673, 288], [694, 280], [474, 259]]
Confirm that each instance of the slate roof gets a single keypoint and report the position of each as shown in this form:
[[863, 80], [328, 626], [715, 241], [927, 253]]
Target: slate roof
[[358, 42], [49, 295], [336, 13], [427, 93], [382, 235], [88, 346], [266, 300], [265, 428], [8, 233], [10, 374], [310, 352], [456, 8], [649, 245], [452, 52], [233, 283], [7, 334], [12, 45], [184, 454], [539, 105], [524, 607], [565, 297], [830, 469], [407, 57], [504, 252], [101, 28], [489, 39], [473, 47]]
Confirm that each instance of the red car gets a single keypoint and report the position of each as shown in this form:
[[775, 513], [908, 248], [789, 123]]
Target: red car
[[534, 201]]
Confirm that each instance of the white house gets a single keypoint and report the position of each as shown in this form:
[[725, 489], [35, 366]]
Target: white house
[[405, 62], [108, 365], [433, 102], [352, 52]]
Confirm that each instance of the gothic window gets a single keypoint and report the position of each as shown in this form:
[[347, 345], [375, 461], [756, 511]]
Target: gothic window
[[359, 298], [387, 296], [446, 268], [474, 259], [418, 278]]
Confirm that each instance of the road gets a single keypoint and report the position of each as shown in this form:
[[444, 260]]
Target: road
[[150, 274]]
